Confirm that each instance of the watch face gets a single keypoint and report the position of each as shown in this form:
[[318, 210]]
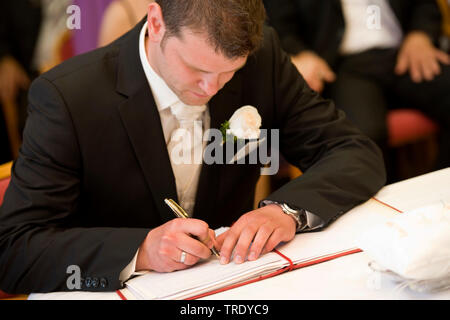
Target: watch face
[[298, 215]]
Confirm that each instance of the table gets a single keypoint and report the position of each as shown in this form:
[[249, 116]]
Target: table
[[348, 277]]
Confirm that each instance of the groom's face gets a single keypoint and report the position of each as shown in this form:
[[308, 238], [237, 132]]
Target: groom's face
[[193, 69]]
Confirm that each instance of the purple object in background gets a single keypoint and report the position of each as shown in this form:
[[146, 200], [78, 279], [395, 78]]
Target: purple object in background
[[92, 11]]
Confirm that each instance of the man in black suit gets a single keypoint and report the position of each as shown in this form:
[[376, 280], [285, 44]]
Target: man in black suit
[[89, 186], [369, 56]]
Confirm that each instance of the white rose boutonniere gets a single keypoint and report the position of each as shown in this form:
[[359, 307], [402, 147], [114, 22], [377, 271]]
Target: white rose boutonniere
[[244, 124]]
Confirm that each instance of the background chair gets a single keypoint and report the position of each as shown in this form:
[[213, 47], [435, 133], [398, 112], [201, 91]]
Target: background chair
[[412, 142], [5, 171], [5, 174], [408, 126]]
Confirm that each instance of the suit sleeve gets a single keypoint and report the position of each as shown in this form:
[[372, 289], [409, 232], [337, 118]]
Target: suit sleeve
[[39, 234], [341, 167], [283, 17]]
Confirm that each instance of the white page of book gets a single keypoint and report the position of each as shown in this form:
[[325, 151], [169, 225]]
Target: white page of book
[[154, 285]]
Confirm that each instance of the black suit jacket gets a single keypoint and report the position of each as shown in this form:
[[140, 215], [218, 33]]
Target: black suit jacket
[[94, 168], [319, 25]]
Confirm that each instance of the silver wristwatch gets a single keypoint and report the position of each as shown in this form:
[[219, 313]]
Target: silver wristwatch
[[298, 215]]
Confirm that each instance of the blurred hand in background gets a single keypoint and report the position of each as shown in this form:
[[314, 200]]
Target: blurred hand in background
[[420, 58], [314, 69]]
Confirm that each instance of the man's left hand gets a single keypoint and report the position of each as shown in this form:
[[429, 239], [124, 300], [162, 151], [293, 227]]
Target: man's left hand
[[258, 231], [419, 56]]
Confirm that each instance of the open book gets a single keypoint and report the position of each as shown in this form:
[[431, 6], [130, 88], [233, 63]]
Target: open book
[[208, 277]]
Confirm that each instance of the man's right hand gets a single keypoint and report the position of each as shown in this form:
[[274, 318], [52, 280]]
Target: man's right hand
[[314, 69], [162, 248]]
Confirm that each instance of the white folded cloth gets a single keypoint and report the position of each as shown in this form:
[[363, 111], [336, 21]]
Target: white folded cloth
[[414, 245]]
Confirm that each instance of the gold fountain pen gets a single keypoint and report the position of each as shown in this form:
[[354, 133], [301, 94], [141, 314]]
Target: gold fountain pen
[[181, 213]]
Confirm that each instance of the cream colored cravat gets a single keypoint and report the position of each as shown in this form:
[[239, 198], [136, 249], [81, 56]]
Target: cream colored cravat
[[186, 152]]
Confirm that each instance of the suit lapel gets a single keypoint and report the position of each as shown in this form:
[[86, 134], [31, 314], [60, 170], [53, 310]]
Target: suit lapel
[[226, 101], [221, 108], [141, 120]]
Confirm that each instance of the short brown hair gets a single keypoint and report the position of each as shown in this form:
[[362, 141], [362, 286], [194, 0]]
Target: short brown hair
[[233, 27]]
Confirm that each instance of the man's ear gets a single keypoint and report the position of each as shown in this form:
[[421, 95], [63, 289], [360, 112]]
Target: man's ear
[[155, 23]]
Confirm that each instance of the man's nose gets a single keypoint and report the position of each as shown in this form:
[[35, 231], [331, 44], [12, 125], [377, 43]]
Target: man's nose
[[210, 84]]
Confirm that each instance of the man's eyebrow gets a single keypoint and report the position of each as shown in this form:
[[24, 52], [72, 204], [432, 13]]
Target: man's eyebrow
[[200, 70]]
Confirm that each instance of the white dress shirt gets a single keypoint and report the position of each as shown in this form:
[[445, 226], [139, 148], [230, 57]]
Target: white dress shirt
[[369, 24]]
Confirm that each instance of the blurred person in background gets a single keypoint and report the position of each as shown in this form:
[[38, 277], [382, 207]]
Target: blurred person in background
[[120, 16], [53, 33], [30, 35], [369, 56], [86, 37], [19, 29]]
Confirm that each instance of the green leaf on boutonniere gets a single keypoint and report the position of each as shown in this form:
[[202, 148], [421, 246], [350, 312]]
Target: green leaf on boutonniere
[[224, 127]]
